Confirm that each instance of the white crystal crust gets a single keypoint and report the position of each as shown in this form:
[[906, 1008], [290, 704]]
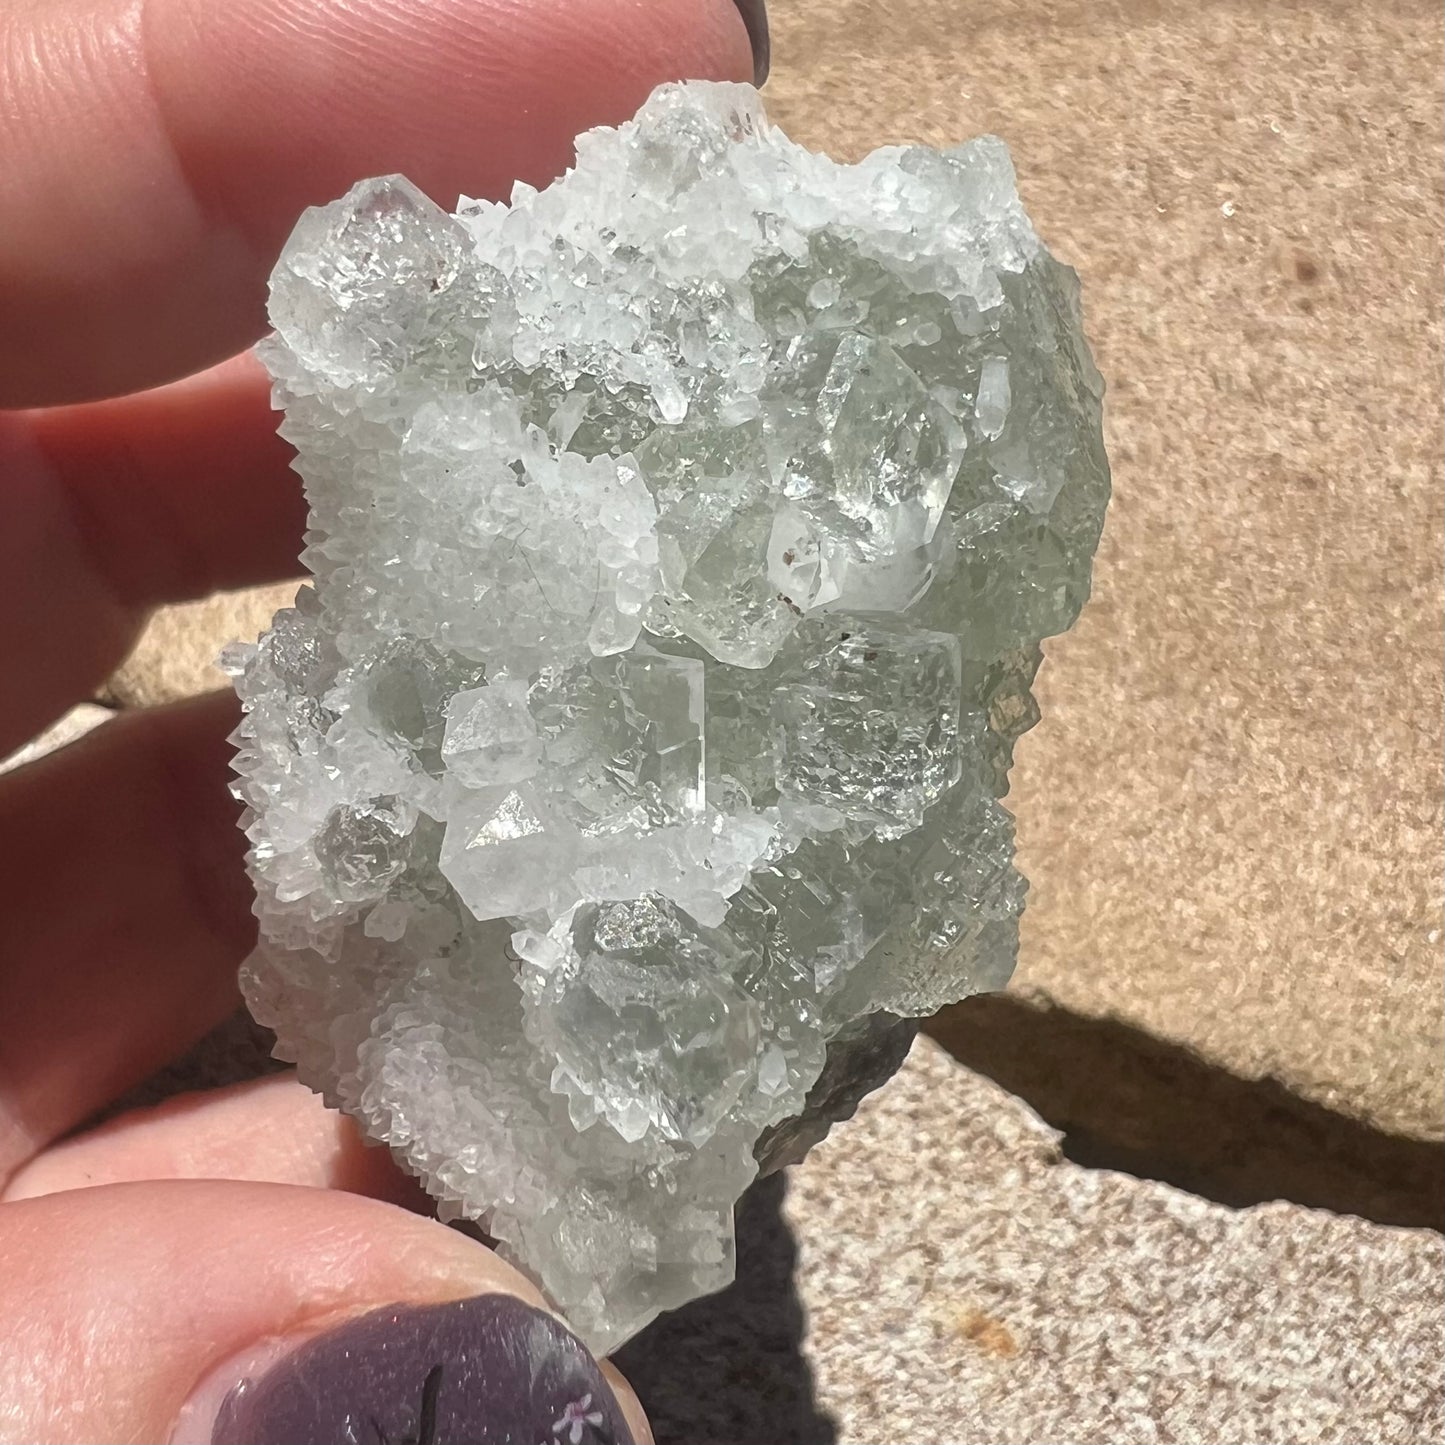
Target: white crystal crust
[[683, 536]]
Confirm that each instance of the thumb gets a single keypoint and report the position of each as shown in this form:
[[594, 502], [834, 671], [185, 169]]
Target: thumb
[[196, 1311]]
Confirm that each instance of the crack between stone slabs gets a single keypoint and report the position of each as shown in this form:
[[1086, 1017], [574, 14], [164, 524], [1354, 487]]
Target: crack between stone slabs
[[1130, 1102]]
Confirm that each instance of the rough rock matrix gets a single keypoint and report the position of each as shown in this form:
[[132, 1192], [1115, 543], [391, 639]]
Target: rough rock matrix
[[683, 537]]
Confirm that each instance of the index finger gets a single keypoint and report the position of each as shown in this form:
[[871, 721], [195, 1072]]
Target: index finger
[[157, 152]]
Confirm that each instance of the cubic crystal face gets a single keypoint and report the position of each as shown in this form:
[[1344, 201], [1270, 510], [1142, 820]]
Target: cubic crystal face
[[871, 726], [683, 538]]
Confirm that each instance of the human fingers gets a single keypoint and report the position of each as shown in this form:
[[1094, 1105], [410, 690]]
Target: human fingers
[[262, 1314], [157, 153], [267, 1131], [114, 507], [126, 912], [160, 154]]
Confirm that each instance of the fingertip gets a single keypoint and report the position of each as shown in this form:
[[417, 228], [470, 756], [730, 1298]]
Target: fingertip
[[458, 95], [157, 177], [489, 1369], [146, 1306], [133, 1293], [268, 1130], [632, 1410], [138, 909]]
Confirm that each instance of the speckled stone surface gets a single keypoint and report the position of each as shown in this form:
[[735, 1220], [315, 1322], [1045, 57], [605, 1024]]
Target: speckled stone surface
[[975, 1288]]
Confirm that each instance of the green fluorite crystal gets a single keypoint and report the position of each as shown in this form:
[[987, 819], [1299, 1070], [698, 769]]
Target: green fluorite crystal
[[683, 538]]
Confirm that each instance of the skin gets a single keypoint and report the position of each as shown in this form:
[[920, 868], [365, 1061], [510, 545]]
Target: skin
[[157, 154]]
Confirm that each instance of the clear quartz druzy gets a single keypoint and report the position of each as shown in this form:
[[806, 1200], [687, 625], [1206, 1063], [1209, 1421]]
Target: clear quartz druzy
[[683, 538]]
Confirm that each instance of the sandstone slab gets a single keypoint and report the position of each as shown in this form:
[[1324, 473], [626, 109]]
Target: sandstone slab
[[1231, 816], [975, 1287]]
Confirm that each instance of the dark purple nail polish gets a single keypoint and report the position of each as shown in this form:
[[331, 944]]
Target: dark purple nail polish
[[484, 1371], [755, 17]]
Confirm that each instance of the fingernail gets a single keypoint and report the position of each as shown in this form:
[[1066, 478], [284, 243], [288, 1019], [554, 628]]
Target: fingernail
[[484, 1371], [755, 17]]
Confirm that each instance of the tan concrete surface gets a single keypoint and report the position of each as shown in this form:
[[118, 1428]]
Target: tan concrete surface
[[68, 729], [1232, 812], [176, 655], [975, 1287]]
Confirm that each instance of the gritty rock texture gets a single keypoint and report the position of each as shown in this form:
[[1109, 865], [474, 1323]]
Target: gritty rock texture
[[976, 1287], [683, 536], [176, 656]]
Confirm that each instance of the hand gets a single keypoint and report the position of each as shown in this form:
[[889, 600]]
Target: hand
[[153, 156]]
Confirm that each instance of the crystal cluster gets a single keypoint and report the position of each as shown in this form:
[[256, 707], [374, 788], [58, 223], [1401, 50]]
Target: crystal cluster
[[683, 536]]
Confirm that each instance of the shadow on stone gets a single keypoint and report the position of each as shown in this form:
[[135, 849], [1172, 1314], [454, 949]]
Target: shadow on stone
[[1127, 1101], [729, 1369]]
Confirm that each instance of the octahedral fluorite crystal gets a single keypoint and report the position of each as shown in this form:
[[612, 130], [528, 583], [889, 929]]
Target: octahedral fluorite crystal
[[683, 537]]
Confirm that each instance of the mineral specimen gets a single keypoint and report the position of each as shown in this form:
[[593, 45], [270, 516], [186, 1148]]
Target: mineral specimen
[[683, 537]]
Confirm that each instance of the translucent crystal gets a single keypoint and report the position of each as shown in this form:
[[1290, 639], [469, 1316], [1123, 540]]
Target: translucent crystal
[[507, 853], [871, 726], [491, 736], [683, 536], [649, 1027]]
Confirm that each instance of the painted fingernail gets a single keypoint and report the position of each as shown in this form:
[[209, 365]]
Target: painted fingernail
[[484, 1371], [755, 17]]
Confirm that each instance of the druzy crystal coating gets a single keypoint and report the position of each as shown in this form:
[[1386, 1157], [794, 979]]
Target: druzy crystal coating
[[683, 538]]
